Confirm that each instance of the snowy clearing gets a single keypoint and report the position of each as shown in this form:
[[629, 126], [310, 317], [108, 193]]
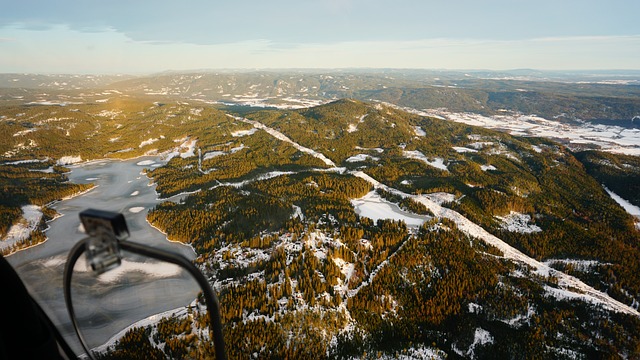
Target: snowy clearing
[[147, 142], [376, 208], [361, 157], [517, 222], [437, 163], [68, 160], [579, 265], [212, 154], [460, 149], [628, 207], [441, 197], [241, 133], [419, 132]]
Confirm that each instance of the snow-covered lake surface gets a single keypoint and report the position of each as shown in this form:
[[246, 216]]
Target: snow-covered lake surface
[[106, 304]]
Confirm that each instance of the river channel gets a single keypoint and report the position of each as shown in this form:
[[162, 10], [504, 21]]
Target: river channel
[[116, 299]]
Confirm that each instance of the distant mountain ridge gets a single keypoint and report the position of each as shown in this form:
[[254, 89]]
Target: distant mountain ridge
[[603, 97]]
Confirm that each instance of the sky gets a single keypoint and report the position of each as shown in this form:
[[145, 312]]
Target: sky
[[139, 37]]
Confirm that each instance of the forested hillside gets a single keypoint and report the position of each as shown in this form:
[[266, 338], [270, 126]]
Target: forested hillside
[[312, 256], [322, 229]]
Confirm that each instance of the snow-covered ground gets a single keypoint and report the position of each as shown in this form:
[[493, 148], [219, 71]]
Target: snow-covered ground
[[568, 286], [31, 216], [441, 197], [437, 163], [361, 157], [376, 208], [462, 149], [241, 133], [610, 138], [186, 149], [629, 207], [480, 337], [579, 265], [68, 160], [517, 222], [419, 131]]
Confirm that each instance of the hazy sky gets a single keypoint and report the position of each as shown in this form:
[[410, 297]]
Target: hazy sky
[[135, 36]]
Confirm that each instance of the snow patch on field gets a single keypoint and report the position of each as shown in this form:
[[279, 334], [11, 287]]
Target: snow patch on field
[[184, 150], [24, 132], [67, 160], [579, 265], [376, 208], [352, 128], [112, 114], [441, 197], [378, 150], [460, 149], [479, 145], [480, 337], [136, 209], [517, 222], [346, 268], [361, 157], [437, 163], [628, 207], [147, 142], [212, 154], [420, 352], [241, 133], [419, 132], [31, 216], [487, 167]]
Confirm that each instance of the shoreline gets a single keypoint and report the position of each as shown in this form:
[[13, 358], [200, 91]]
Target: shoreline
[[84, 192], [58, 215], [27, 248], [172, 241], [149, 320]]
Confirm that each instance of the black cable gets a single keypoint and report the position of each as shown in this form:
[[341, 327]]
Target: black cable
[[211, 300], [74, 254], [213, 306]]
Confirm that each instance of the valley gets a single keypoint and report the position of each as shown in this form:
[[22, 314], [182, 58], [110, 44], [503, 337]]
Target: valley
[[354, 214]]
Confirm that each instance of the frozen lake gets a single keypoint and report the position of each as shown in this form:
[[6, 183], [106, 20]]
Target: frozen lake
[[112, 301]]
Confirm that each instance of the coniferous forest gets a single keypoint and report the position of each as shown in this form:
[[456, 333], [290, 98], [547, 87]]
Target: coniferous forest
[[278, 205]]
